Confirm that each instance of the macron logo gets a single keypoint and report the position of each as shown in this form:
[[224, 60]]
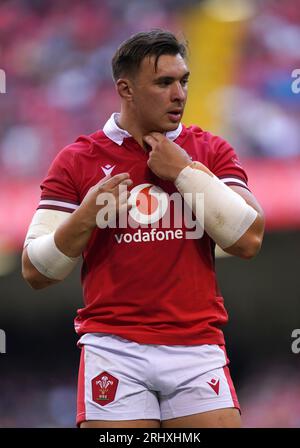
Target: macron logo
[[214, 384], [107, 169]]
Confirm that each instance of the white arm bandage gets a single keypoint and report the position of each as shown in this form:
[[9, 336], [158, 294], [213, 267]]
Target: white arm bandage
[[41, 248], [227, 215]]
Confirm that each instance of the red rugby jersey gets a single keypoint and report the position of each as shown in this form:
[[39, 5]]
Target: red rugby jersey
[[149, 286]]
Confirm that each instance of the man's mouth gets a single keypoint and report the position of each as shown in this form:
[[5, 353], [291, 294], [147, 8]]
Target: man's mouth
[[175, 115]]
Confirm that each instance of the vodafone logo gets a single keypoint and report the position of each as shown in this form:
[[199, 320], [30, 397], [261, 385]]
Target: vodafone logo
[[149, 203]]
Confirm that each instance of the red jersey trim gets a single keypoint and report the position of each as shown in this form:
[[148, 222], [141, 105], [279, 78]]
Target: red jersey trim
[[59, 199], [53, 204], [234, 180], [55, 207], [232, 177], [237, 184]]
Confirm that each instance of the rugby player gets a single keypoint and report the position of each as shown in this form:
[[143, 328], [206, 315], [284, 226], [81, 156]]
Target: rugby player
[[152, 348]]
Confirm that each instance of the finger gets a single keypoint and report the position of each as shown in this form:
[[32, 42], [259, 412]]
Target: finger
[[121, 189], [157, 136], [123, 186], [151, 141], [149, 163], [123, 197], [127, 182], [124, 208], [112, 182], [104, 179]]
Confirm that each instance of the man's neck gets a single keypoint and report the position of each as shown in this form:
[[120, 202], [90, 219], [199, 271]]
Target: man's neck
[[124, 122]]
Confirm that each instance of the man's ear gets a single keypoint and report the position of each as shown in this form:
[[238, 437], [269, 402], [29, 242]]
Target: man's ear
[[124, 88]]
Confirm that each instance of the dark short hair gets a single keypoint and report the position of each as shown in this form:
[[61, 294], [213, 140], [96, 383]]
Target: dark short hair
[[131, 52]]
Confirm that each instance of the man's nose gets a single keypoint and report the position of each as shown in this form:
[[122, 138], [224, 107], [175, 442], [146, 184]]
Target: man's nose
[[178, 92]]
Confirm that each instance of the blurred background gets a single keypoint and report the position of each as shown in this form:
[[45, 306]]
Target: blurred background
[[56, 55]]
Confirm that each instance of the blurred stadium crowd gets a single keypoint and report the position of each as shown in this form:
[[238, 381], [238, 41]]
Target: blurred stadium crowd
[[57, 58], [260, 109]]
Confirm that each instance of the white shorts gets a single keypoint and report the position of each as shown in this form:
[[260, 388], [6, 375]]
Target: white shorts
[[124, 380]]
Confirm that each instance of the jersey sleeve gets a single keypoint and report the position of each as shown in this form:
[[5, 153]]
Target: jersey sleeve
[[58, 189], [225, 164]]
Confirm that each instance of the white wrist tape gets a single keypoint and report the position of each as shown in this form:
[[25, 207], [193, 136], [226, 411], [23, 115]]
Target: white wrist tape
[[227, 215], [41, 248], [48, 259], [44, 221]]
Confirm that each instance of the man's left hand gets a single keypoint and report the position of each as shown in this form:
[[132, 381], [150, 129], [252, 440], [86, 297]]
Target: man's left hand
[[166, 158]]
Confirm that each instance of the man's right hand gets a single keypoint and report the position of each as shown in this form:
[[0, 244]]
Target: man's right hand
[[116, 186], [72, 236]]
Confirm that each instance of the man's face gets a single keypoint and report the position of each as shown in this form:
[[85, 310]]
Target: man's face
[[159, 96]]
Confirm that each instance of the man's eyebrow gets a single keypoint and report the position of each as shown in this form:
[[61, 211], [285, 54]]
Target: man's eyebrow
[[171, 78], [186, 75]]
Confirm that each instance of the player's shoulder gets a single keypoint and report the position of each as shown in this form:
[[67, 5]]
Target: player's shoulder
[[83, 145], [194, 130], [203, 134], [216, 153], [204, 140]]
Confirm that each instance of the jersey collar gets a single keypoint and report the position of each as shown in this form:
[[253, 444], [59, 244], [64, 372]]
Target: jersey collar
[[117, 135]]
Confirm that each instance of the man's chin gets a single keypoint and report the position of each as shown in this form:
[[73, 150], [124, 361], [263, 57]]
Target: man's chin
[[168, 127]]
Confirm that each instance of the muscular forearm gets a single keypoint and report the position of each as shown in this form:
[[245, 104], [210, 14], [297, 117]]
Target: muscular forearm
[[250, 243], [32, 276], [72, 236]]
